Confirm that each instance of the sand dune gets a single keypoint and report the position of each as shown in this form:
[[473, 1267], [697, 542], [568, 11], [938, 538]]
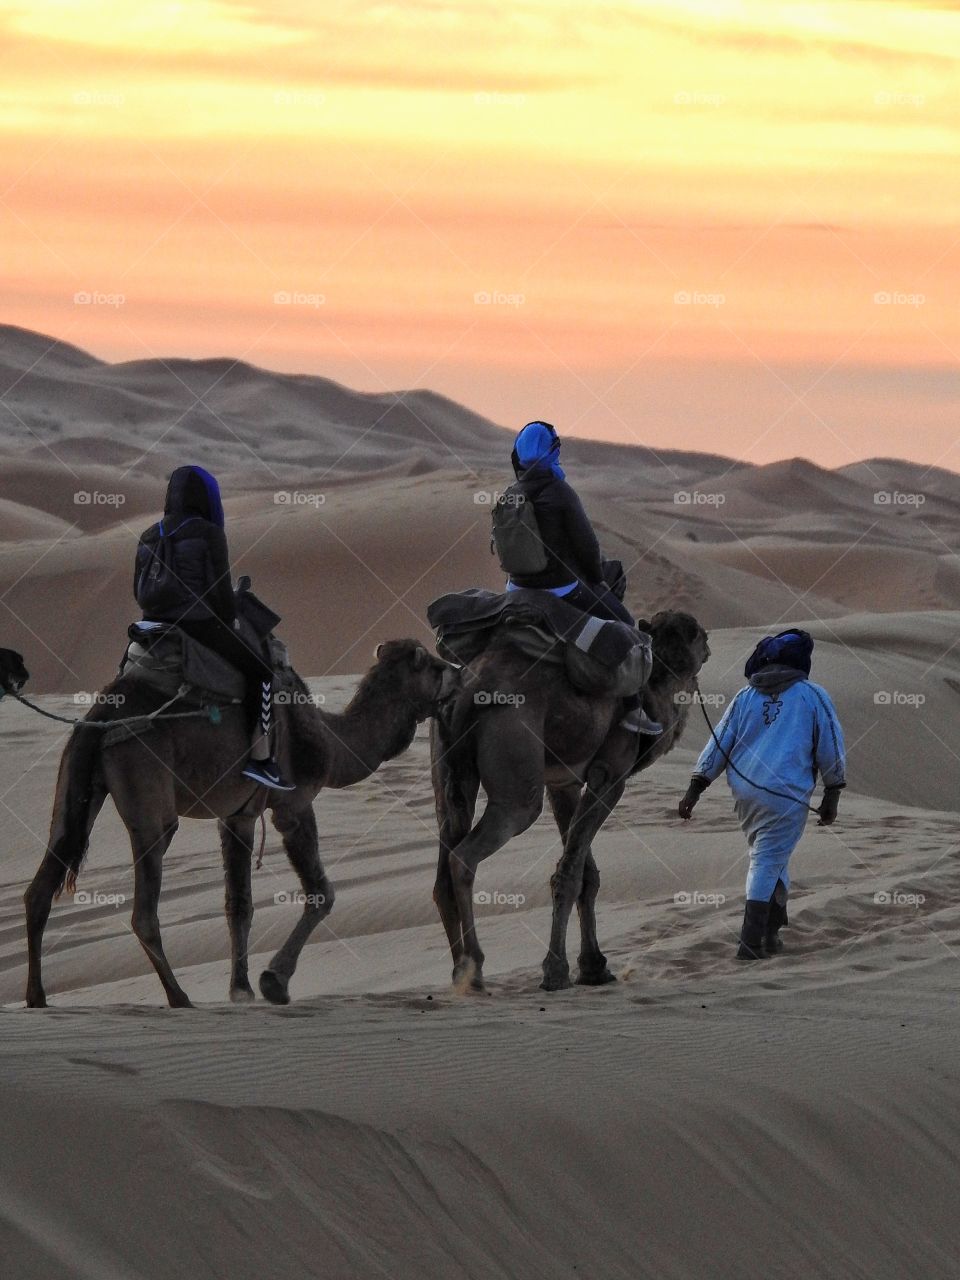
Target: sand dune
[[697, 1119]]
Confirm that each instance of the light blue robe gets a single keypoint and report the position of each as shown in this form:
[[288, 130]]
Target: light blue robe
[[783, 741]]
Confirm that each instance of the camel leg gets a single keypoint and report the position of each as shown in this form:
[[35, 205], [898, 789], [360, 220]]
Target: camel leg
[[236, 846], [300, 839], [499, 824], [601, 794], [592, 962], [149, 846], [38, 900], [456, 796]]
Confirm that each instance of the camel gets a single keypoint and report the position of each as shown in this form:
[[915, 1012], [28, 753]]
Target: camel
[[515, 727], [191, 768], [13, 674]]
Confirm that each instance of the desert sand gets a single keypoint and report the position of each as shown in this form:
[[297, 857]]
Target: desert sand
[[795, 1118]]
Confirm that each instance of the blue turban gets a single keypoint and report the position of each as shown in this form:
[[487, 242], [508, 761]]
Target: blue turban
[[538, 442], [792, 648]]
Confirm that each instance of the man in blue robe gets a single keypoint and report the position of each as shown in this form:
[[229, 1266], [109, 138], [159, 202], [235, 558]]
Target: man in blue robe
[[777, 737]]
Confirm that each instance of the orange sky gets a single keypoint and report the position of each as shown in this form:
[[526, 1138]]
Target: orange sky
[[726, 225]]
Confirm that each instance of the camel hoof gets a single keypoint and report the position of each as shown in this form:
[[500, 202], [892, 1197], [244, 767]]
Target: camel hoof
[[242, 995], [595, 978], [556, 982], [179, 1002], [468, 978], [273, 988], [37, 1001]]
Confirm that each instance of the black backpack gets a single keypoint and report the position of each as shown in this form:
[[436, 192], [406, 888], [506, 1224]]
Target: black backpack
[[516, 534], [158, 589]]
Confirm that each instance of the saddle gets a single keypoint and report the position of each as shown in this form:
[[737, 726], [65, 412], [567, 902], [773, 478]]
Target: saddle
[[163, 656], [598, 656]]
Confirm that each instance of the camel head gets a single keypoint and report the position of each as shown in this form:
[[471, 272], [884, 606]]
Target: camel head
[[424, 679], [680, 646], [13, 674]]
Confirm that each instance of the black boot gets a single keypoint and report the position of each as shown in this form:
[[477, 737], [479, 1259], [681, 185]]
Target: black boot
[[755, 919], [776, 920], [265, 770]]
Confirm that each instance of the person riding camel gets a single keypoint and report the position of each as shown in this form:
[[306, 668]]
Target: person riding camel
[[777, 735], [182, 578], [573, 569]]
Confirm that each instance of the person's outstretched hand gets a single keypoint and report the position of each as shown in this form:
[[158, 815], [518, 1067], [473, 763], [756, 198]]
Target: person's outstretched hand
[[828, 807], [695, 790]]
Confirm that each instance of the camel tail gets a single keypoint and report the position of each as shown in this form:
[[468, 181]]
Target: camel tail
[[76, 805]]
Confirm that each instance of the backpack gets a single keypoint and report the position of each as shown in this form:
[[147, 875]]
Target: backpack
[[157, 587], [516, 534]]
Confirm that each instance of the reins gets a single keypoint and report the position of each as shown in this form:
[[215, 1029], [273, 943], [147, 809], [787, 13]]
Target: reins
[[211, 713], [783, 795]]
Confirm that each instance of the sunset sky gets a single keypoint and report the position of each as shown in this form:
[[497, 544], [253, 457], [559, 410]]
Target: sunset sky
[[713, 225]]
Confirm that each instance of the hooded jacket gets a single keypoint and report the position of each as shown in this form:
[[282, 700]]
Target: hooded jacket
[[193, 523]]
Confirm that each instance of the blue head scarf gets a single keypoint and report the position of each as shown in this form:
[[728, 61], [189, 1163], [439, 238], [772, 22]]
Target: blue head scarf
[[193, 491], [538, 444], [793, 648]]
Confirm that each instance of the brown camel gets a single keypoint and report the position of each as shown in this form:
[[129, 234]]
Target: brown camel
[[191, 768], [517, 726]]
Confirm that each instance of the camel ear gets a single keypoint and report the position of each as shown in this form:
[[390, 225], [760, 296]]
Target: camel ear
[[377, 651], [643, 625], [420, 656]]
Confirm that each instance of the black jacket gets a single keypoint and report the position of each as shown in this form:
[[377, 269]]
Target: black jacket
[[573, 551], [200, 561]]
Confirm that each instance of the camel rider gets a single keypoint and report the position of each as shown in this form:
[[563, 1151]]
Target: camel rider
[[182, 577], [574, 570], [778, 734]]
